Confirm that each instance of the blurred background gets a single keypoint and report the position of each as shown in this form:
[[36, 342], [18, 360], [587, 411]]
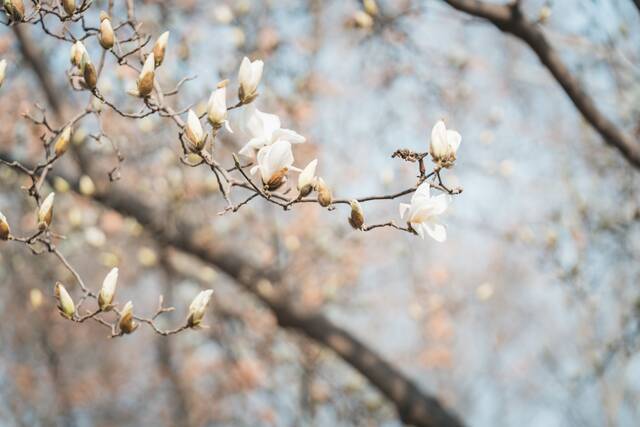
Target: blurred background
[[527, 315]]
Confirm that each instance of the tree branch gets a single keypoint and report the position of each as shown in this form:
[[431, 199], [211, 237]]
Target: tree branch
[[511, 20]]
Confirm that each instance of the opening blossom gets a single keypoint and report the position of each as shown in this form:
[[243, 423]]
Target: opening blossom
[[422, 214], [217, 108], [444, 145], [194, 132], [307, 178], [265, 129], [249, 77], [198, 307], [274, 161], [108, 291]]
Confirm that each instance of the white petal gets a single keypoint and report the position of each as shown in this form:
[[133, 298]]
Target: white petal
[[404, 208], [436, 231], [423, 192], [454, 139], [307, 174], [439, 145], [419, 228], [288, 135], [244, 74], [440, 204]]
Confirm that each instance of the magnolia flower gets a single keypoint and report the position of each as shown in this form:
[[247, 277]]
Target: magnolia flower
[[5, 231], [126, 323], [108, 291], [217, 108], [62, 144], [265, 129], [65, 303], [77, 53], [274, 161], [69, 6], [444, 145], [356, 219], [3, 70], [198, 307], [422, 213], [249, 77], [145, 79], [160, 48], [194, 132], [307, 178], [45, 212], [107, 37], [14, 9], [325, 198]]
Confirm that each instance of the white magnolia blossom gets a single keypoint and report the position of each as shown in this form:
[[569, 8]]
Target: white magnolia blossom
[[307, 178], [444, 144], [265, 129], [108, 291], [274, 161], [423, 211], [198, 307], [194, 131], [249, 77], [217, 108]]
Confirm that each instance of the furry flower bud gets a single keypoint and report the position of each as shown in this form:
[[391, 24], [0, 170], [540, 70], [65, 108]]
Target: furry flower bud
[[77, 53], [88, 72], [62, 144], [307, 178], [45, 212], [356, 219], [14, 9], [5, 231], [107, 36], [198, 308], [160, 48], [69, 6], [126, 322], [66, 307], [324, 193], [145, 79]]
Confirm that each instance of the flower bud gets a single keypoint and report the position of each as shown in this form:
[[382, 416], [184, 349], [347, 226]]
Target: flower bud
[[45, 212], [217, 107], [62, 144], [193, 131], [306, 179], [108, 291], [3, 71], [14, 9], [249, 77], [107, 37], [371, 7], [126, 323], [357, 215], [444, 145], [5, 231], [145, 79], [160, 48], [88, 72], [65, 303], [77, 53], [69, 6], [324, 193], [198, 307], [277, 179]]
